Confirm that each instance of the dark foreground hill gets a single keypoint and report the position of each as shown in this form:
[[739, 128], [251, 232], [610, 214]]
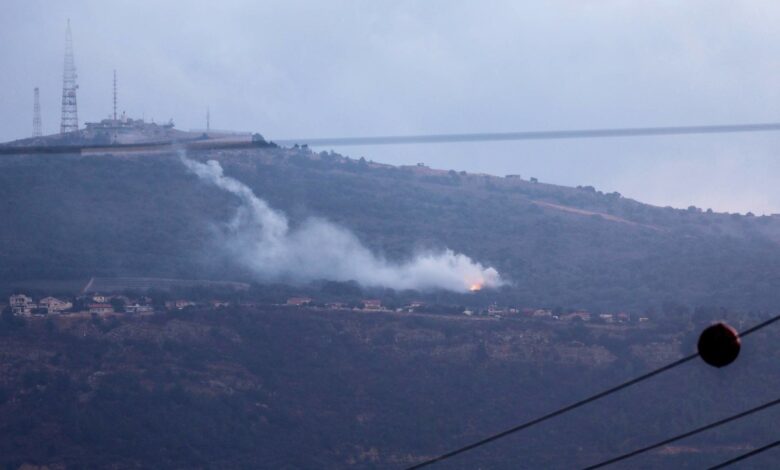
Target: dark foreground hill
[[74, 217], [299, 389]]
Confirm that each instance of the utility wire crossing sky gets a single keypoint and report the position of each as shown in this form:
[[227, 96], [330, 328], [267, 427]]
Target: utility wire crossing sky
[[533, 135]]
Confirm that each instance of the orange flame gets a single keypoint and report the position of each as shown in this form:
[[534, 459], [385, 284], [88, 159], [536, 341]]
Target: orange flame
[[475, 287]]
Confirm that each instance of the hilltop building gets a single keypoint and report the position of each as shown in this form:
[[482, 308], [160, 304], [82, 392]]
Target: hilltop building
[[125, 130]]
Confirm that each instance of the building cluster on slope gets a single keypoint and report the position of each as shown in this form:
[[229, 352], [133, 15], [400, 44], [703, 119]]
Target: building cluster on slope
[[103, 305], [493, 310], [25, 306], [98, 304], [374, 305]]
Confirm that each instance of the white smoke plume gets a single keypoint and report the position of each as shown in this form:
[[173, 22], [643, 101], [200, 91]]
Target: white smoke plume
[[261, 238]]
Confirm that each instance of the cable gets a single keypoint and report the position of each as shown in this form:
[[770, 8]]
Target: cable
[[761, 325], [555, 413], [746, 455], [580, 403], [533, 135], [684, 435]]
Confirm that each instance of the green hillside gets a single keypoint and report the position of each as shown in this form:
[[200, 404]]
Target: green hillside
[[73, 217]]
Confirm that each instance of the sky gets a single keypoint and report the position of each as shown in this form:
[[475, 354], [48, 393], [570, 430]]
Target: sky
[[290, 69]]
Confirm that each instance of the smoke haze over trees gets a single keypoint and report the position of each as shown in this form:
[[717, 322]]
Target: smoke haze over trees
[[260, 237]]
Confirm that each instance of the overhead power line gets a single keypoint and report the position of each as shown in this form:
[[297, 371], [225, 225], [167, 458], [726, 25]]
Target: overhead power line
[[685, 434], [580, 403], [746, 455], [532, 135], [558, 412]]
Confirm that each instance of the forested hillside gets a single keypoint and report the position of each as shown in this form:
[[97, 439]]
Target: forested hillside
[[289, 388], [73, 217]]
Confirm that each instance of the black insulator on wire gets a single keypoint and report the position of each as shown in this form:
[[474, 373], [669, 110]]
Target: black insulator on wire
[[719, 345]]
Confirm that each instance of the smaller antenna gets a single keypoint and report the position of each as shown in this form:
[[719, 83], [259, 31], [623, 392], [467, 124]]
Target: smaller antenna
[[208, 119], [37, 114], [114, 95]]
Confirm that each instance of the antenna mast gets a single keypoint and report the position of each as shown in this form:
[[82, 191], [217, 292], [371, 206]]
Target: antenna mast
[[115, 96], [70, 115], [37, 115], [208, 120]]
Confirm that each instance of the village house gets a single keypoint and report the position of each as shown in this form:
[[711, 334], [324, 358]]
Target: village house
[[584, 316], [541, 313], [138, 309], [494, 309], [298, 301], [414, 306], [178, 304], [21, 304], [99, 299], [372, 304], [54, 305], [100, 309], [607, 317]]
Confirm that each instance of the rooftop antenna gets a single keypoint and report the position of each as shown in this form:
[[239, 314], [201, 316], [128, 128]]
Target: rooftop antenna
[[208, 119], [70, 115], [37, 114]]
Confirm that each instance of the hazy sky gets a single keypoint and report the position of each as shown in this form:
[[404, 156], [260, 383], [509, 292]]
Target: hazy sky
[[361, 68]]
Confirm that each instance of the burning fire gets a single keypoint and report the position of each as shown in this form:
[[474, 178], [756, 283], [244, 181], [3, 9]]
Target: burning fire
[[475, 287]]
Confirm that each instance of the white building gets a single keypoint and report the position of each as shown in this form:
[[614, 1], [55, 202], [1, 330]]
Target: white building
[[139, 309], [607, 317], [101, 309], [542, 313], [54, 305], [21, 304]]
